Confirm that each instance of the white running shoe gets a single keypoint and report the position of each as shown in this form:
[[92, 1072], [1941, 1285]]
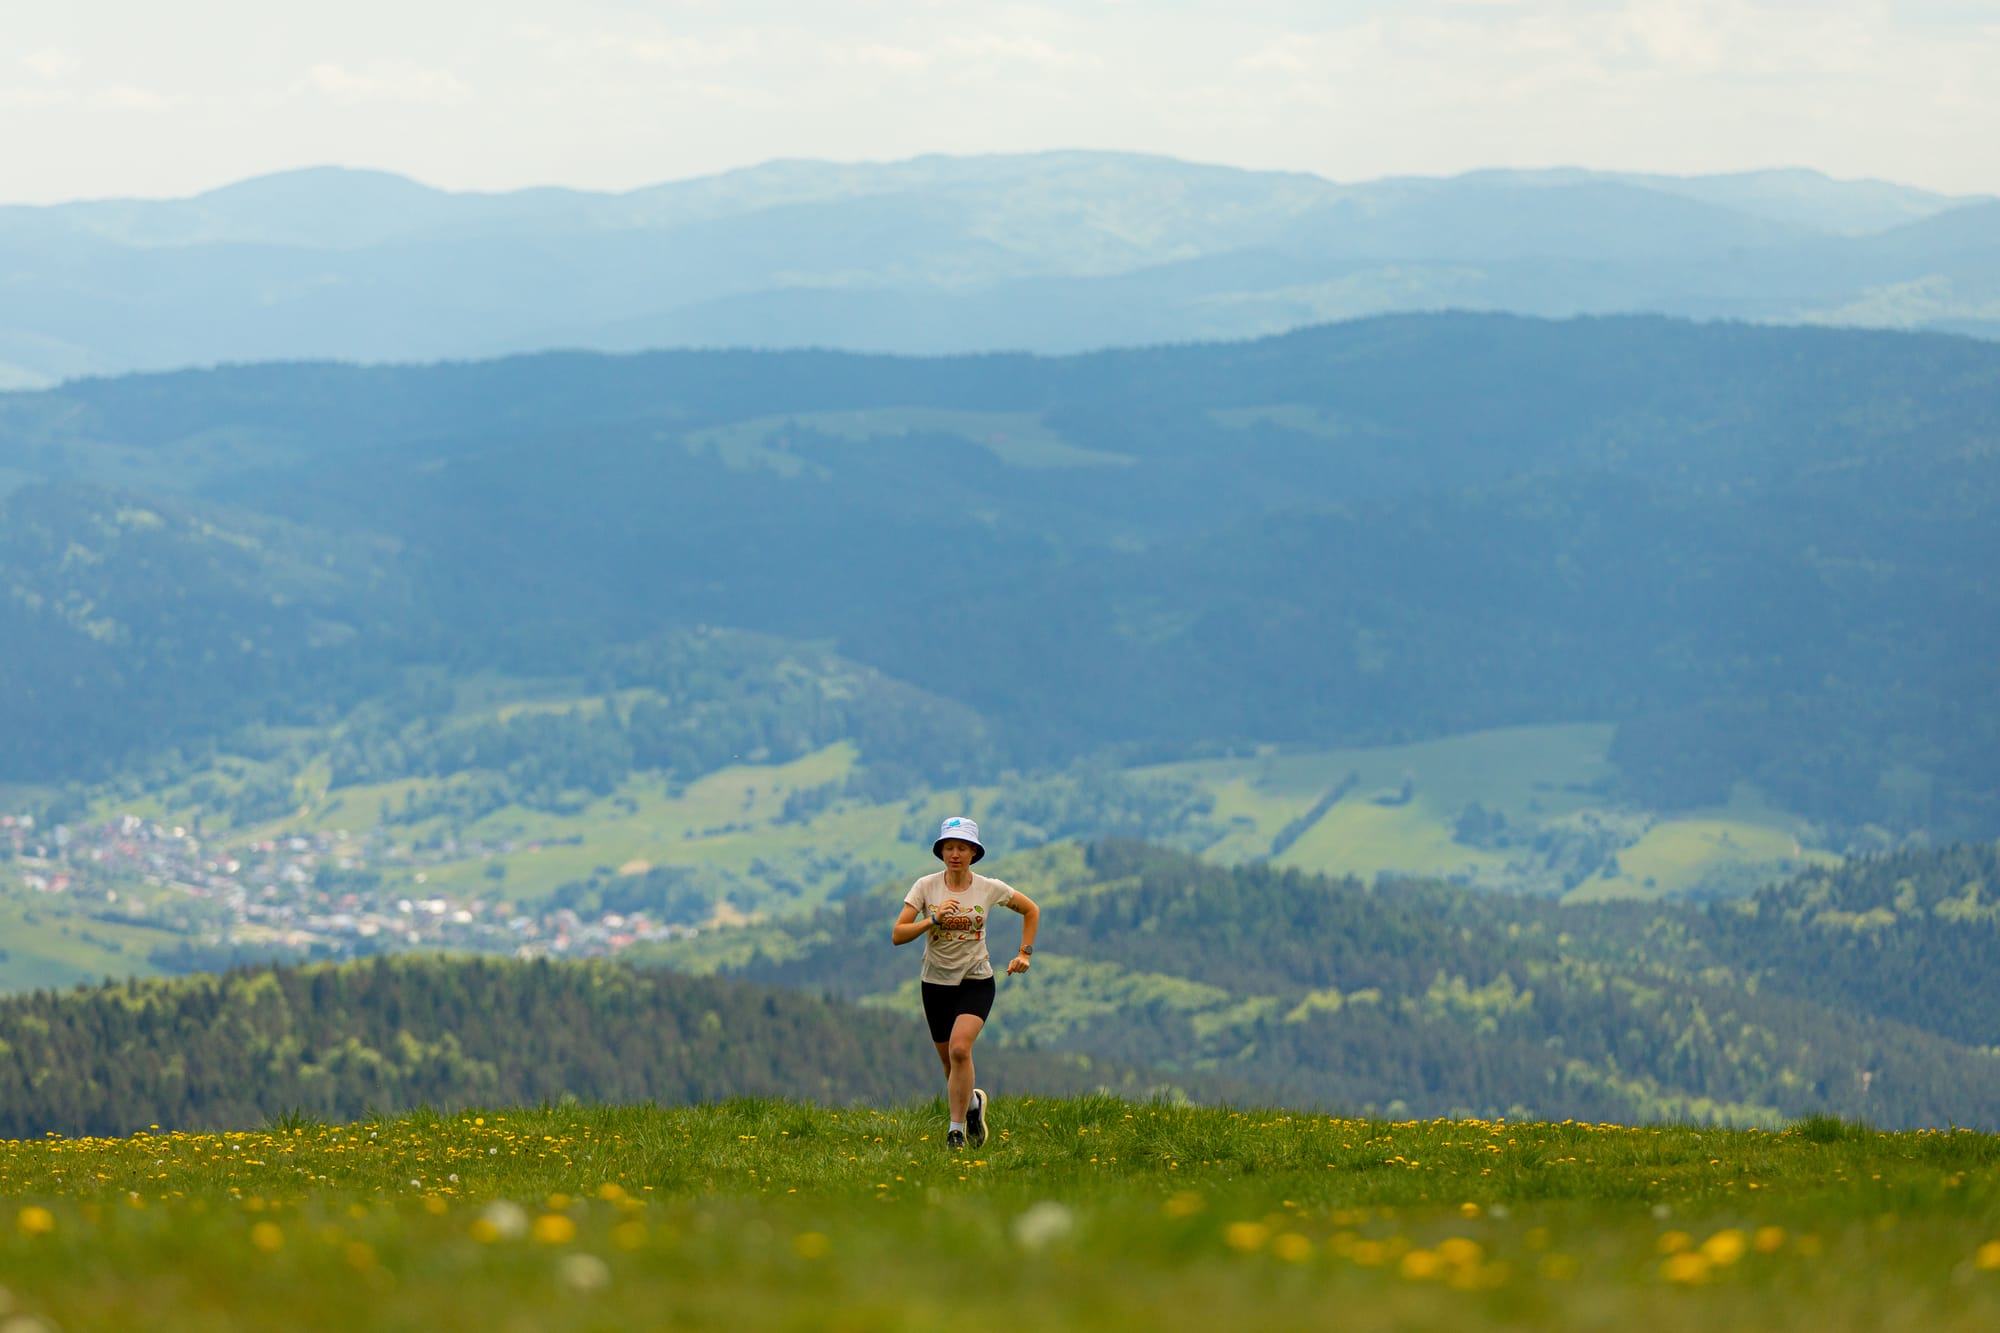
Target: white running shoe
[[975, 1119]]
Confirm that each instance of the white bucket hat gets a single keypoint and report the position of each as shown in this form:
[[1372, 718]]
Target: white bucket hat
[[965, 830]]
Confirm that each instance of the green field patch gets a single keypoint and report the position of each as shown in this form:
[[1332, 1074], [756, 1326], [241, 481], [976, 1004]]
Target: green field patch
[[1543, 790], [1016, 438], [1710, 850], [728, 826], [50, 941], [760, 1213], [1360, 837]]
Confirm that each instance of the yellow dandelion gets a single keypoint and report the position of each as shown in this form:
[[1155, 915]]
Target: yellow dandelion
[[1369, 1253], [1245, 1236], [811, 1245], [1986, 1256], [1724, 1247], [1460, 1251], [1769, 1240], [1686, 1266], [554, 1229], [1292, 1248], [268, 1237], [360, 1255], [1421, 1265], [1184, 1204], [35, 1220], [1673, 1242]]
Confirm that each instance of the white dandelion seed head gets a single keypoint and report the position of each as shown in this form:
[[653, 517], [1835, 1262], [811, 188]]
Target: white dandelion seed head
[[1043, 1224], [508, 1219], [583, 1273]]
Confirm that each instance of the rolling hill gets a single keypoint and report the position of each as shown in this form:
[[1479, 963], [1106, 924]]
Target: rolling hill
[[1053, 252], [1406, 998]]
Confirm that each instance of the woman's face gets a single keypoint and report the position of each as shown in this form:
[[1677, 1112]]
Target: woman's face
[[957, 854]]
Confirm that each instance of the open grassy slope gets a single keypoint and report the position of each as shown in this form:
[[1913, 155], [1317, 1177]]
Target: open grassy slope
[[1393, 809], [1086, 1213]]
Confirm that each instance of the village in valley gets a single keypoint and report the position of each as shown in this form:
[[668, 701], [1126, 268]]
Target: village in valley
[[319, 894]]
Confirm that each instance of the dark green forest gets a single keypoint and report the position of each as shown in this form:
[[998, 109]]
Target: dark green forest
[[342, 1041], [1764, 553], [1871, 993], [1426, 999]]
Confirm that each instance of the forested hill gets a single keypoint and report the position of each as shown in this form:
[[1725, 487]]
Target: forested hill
[[1764, 553], [1871, 992], [338, 1042], [1408, 997]]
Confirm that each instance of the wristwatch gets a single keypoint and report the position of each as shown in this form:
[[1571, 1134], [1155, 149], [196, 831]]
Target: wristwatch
[[1027, 948]]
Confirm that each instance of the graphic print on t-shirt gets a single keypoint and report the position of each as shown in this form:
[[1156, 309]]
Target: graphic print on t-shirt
[[963, 923]]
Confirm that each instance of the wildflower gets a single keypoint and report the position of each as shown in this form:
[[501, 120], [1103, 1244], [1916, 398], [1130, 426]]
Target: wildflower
[[811, 1245], [1042, 1225], [1685, 1266], [1422, 1265], [1460, 1252], [1986, 1256], [1724, 1247], [500, 1220], [1769, 1240], [554, 1229], [583, 1273], [1292, 1248], [1245, 1236], [1370, 1253], [1184, 1204], [35, 1220], [360, 1255], [268, 1237]]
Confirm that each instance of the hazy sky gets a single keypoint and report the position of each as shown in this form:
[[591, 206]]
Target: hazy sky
[[137, 97]]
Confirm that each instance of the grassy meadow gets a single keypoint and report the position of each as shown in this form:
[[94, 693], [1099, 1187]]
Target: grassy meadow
[[1077, 1213]]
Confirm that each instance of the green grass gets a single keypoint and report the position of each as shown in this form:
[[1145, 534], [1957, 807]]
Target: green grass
[[1079, 1213]]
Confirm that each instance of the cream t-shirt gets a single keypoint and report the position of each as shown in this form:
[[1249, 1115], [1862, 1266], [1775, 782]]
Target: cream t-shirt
[[956, 950]]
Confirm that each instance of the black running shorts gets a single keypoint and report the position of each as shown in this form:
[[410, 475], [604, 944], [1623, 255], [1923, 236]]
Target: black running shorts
[[943, 1004]]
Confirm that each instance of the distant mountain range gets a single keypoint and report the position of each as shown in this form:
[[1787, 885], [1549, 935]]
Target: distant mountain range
[[1053, 252]]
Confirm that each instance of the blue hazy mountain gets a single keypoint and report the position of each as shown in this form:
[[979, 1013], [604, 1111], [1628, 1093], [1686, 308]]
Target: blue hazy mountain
[[1764, 553], [1050, 252]]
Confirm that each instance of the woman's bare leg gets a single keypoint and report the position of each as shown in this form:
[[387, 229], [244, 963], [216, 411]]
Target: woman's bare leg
[[958, 1064]]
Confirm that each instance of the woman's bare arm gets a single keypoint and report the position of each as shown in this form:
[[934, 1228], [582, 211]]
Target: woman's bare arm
[[1031, 923], [909, 926]]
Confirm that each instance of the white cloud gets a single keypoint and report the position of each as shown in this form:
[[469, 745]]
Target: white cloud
[[386, 82], [51, 64]]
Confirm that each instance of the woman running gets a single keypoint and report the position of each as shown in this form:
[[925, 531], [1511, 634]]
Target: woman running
[[951, 907]]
